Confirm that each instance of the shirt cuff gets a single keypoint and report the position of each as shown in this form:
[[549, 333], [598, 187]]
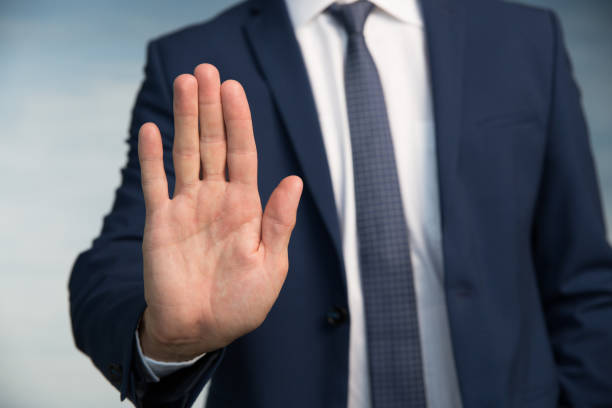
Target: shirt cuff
[[156, 370]]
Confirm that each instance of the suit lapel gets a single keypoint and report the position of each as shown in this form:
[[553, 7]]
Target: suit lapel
[[445, 34], [277, 52]]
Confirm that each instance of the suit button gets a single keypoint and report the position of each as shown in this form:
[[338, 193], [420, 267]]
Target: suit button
[[115, 373], [337, 316], [462, 290]]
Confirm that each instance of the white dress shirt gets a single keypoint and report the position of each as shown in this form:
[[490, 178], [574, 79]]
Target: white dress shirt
[[395, 37]]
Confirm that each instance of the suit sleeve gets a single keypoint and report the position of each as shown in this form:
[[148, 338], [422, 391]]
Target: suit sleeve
[[572, 255], [106, 284]]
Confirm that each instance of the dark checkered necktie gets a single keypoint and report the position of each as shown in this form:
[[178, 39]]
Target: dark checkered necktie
[[394, 350]]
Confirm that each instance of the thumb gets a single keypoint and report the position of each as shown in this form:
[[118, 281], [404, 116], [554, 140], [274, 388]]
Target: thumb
[[279, 216]]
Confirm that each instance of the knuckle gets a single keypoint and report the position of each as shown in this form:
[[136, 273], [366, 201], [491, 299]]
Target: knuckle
[[213, 135], [279, 224], [186, 152]]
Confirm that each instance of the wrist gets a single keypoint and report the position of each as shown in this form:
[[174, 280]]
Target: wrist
[[156, 348]]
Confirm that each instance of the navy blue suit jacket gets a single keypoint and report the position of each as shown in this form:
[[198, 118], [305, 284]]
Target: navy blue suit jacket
[[528, 269]]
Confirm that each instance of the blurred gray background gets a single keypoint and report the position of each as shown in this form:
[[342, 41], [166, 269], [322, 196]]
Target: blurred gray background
[[69, 71]]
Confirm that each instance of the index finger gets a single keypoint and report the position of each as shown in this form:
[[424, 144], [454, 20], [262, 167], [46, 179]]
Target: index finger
[[241, 150]]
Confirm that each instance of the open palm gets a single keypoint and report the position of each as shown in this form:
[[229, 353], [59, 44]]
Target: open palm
[[214, 262]]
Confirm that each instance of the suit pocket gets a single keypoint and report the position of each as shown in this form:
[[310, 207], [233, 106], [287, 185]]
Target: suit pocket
[[508, 119]]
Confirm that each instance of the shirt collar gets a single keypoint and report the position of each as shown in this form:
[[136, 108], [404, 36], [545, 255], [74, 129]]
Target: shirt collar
[[302, 11]]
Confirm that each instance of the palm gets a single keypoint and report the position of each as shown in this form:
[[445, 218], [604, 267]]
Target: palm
[[214, 263]]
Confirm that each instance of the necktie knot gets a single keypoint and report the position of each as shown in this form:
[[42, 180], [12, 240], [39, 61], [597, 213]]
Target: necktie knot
[[352, 15]]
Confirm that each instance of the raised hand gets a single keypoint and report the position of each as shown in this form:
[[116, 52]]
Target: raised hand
[[214, 263]]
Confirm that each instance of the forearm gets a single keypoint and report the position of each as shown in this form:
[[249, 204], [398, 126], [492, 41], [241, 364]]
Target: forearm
[[107, 302]]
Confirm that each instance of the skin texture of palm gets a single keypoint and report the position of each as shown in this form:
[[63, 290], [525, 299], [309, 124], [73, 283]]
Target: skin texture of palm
[[214, 261]]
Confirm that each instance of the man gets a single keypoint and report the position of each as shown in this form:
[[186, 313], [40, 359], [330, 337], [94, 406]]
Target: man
[[449, 249]]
